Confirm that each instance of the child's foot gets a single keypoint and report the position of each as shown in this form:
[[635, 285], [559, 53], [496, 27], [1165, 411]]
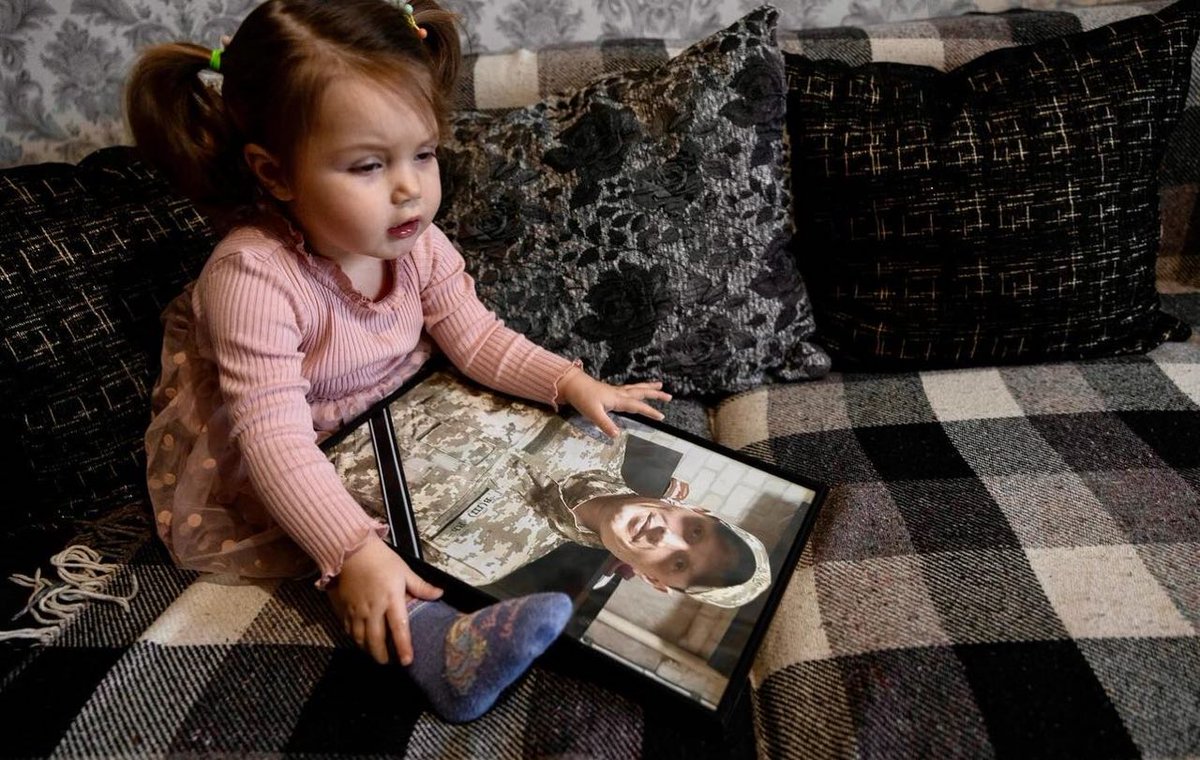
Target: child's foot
[[463, 662]]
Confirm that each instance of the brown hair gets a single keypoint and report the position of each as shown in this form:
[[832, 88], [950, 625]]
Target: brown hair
[[274, 72]]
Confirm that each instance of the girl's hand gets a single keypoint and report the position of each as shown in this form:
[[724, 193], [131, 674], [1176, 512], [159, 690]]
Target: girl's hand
[[370, 596], [594, 399]]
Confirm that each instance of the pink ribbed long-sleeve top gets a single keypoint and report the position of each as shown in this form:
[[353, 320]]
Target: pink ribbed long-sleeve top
[[271, 349]]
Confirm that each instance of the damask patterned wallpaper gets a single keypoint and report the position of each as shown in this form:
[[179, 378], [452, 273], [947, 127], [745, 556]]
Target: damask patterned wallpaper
[[62, 62]]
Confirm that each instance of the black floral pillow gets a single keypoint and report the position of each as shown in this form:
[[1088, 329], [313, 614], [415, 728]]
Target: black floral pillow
[[642, 223], [1005, 211]]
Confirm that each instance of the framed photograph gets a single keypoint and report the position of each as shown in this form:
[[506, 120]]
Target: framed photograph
[[675, 550]]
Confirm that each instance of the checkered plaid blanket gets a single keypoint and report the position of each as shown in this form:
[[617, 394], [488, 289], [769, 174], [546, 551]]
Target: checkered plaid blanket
[[1006, 565], [216, 666], [1009, 561]]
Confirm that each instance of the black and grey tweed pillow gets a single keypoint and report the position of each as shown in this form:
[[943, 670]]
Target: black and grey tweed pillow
[[1005, 211], [91, 253], [641, 223]]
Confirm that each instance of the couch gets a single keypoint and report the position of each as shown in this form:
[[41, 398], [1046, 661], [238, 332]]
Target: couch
[[1006, 565]]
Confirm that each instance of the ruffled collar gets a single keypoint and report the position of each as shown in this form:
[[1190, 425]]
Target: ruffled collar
[[327, 272]]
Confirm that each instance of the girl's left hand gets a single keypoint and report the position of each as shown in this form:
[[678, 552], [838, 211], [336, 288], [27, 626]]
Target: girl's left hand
[[595, 399]]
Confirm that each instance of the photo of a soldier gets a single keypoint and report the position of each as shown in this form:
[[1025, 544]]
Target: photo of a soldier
[[667, 545], [495, 488]]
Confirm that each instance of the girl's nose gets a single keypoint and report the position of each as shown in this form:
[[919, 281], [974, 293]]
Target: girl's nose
[[405, 187]]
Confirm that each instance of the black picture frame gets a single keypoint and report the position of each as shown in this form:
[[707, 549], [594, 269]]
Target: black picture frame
[[702, 671]]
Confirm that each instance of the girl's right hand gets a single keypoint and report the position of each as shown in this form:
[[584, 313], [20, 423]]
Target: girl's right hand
[[370, 596], [594, 399]]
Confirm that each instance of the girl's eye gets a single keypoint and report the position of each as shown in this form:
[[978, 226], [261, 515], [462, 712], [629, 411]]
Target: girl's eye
[[366, 168], [427, 155]]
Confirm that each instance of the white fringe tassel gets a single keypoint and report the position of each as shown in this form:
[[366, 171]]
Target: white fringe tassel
[[82, 577]]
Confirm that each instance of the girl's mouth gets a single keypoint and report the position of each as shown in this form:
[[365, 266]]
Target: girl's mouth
[[404, 230]]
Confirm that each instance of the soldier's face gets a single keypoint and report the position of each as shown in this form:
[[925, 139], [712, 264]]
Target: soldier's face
[[667, 544]]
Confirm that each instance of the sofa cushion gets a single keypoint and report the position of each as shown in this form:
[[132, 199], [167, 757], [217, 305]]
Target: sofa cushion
[[1005, 211], [90, 254], [640, 222]]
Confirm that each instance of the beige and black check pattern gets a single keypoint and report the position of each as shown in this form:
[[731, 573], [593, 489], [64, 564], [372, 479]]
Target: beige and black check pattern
[[1007, 564]]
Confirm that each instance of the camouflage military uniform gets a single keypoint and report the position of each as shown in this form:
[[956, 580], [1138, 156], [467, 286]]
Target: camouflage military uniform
[[490, 491]]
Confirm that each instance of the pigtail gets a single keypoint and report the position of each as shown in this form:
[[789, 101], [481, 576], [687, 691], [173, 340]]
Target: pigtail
[[181, 126], [441, 43], [273, 73]]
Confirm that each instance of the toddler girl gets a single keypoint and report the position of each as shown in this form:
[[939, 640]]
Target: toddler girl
[[317, 157]]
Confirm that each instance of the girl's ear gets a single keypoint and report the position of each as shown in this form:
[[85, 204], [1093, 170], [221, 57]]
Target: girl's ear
[[268, 171]]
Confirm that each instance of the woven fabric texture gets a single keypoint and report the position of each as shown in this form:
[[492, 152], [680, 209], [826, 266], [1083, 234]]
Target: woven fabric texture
[[1006, 566], [1008, 563], [90, 255], [500, 82], [213, 666], [1006, 211]]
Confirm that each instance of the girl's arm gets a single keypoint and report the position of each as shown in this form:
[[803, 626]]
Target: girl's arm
[[254, 319], [472, 336]]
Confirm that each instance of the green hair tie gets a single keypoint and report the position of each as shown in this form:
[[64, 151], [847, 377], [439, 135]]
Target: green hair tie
[[214, 59]]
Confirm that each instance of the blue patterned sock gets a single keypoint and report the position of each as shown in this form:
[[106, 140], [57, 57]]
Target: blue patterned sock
[[463, 662]]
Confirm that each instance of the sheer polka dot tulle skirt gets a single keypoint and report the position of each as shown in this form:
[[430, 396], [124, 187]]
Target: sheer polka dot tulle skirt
[[204, 508]]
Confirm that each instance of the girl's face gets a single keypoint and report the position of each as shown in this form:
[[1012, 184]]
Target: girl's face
[[365, 183]]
